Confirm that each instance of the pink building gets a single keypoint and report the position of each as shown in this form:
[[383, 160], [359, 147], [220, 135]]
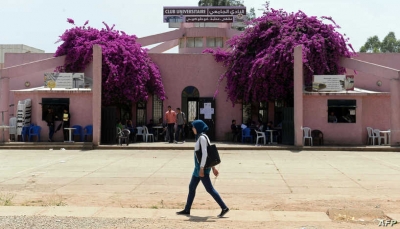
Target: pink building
[[191, 79]]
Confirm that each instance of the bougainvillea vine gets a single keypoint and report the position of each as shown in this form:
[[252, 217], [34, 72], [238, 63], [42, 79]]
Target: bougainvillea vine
[[260, 61], [128, 73]]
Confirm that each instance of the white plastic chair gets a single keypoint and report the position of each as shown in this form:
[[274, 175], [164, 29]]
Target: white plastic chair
[[307, 135], [147, 134], [377, 135], [261, 135], [123, 134], [140, 132], [13, 128], [371, 135]]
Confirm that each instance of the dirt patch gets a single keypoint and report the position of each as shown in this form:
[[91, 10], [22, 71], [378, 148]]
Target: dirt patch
[[357, 215]]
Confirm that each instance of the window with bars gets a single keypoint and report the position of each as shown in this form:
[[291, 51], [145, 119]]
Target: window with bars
[[246, 112], [194, 42], [215, 42], [157, 109], [140, 113], [263, 112]]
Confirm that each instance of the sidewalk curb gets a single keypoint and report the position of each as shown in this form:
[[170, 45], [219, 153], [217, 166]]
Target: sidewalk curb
[[185, 146], [111, 212]]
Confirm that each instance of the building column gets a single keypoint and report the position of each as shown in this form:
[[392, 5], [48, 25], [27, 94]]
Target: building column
[[4, 106], [96, 94], [395, 112], [298, 95]]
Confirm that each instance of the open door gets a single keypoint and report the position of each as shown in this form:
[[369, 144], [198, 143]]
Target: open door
[[207, 114]]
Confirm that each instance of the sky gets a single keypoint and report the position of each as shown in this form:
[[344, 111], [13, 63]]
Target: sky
[[39, 23]]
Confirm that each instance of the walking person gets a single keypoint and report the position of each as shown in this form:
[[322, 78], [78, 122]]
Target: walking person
[[200, 173], [170, 118], [181, 122]]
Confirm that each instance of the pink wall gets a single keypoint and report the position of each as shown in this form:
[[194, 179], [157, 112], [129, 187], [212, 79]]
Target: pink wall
[[372, 110], [368, 81], [80, 109], [201, 71], [35, 78], [12, 59]]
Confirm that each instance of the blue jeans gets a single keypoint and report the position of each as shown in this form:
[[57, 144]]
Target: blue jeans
[[51, 131], [179, 129], [209, 188]]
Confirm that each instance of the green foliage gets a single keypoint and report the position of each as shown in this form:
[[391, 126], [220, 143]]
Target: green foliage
[[252, 14], [388, 45]]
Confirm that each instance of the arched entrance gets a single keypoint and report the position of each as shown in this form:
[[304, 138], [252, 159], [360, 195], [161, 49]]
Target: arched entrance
[[196, 107]]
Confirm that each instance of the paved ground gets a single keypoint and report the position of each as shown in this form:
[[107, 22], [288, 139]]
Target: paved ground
[[293, 189]]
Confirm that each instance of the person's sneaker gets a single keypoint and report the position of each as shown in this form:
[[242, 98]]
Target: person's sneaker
[[183, 212], [183, 142], [49, 140], [223, 212], [176, 142]]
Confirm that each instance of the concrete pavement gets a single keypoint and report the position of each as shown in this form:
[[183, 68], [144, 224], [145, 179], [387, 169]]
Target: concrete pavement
[[189, 145], [258, 185]]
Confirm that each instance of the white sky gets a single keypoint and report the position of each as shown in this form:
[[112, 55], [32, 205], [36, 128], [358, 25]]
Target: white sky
[[39, 23]]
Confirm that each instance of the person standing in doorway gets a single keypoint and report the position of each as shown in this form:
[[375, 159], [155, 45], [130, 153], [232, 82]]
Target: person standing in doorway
[[200, 173], [66, 118], [181, 122], [170, 119], [50, 119]]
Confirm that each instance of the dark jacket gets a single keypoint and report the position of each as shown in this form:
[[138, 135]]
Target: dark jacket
[[50, 118]]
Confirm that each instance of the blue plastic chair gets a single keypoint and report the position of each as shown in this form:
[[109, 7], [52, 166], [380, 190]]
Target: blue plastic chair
[[25, 132], [78, 131], [246, 133], [34, 131], [87, 131]]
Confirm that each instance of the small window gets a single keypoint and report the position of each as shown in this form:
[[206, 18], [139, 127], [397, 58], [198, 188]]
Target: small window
[[140, 113], [190, 42], [181, 43], [157, 108], [198, 42], [215, 42], [199, 24], [342, 111], [263, 112], [246, 113], [194, 42], [56, 104]]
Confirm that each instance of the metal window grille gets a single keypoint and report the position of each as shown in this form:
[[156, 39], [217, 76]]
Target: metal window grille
[[246, 112], [157, 109], [192, 110], [263, 112], [140, 113]]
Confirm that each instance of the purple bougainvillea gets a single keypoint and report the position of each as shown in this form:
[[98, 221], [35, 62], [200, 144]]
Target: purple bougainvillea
[[128, 73], [260, 62]]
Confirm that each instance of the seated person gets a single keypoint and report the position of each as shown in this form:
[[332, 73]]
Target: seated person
[[235, 131], [260, 127], [332, 118], [131, 128], [164, 129], [150, 126], [270, 126], [119, 125], [253, 125]]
